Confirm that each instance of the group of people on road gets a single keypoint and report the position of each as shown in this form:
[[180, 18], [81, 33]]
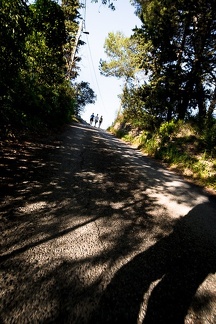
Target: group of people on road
[[95, 119]]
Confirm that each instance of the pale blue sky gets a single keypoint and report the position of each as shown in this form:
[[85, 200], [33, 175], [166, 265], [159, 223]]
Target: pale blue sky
[[99, 21]]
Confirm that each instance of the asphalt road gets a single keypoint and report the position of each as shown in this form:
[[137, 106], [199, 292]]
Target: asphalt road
[[93, 231]]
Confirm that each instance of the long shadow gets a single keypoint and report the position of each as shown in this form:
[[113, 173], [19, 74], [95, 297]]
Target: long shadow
[[78, 179], [22, 249], [167, 275]]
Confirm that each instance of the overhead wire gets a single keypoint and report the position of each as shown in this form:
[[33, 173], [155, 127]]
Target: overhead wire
[[91, 59], [84, 12], [95, 76]]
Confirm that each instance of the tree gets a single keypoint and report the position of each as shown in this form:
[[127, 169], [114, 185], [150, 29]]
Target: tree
[[84, 96], [37, 42], [13, 31], [106, 2], [123, 63], [33, 89], [180, 55], [45, 73], [45, 42], [72, 26], [120, 51]]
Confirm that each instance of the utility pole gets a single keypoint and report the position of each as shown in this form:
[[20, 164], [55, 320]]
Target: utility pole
[[73, 52], [75, 45]]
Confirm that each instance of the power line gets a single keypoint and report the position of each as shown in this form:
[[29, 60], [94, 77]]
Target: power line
[[84, 16], [83, 5], [95, 74], [91, 59]]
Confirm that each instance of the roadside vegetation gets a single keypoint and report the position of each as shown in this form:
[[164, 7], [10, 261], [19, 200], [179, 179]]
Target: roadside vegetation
[[182, 146], [167, 67], [39, 42]]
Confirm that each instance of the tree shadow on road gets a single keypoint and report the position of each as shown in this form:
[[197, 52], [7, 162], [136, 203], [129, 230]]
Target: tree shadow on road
[[54, 190], [166, 276]]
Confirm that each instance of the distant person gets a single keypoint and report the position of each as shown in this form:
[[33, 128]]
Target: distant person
[[91, 118], [100, 121], [96, 120]]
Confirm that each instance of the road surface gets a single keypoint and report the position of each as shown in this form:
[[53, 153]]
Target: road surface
[[93, 231]]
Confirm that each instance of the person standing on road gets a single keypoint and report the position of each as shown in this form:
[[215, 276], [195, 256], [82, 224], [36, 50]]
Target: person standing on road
[[96, 120], [100, 121], [91, 118]]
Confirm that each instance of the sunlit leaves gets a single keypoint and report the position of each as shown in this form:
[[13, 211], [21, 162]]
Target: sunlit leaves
[[121, 52], [106, 2], [71, 15]]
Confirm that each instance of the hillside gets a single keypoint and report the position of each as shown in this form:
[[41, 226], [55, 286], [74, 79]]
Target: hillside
[[180, 146]]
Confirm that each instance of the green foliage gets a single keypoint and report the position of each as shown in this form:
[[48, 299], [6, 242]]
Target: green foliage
[[183, 147], [175, 49], [33, 87], [84, 95], [150, 143], [209, 137], [13, 31], [71, 14], [166, 130], [106, 2], [180, 33], [49, 20], [119, 133], [120, 51]]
